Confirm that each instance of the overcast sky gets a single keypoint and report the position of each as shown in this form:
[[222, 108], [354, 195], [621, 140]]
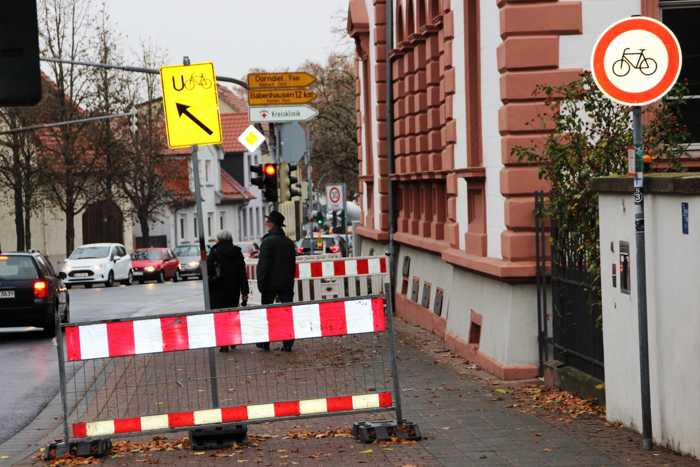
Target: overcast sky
[[235, 34]]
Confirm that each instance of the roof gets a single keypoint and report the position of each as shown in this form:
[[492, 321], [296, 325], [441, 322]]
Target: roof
[[177, 182], [231, 190], [228, 97], [232, 126]]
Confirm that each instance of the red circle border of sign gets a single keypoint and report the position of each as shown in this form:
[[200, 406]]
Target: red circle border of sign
[[666, 83], [334, 190]]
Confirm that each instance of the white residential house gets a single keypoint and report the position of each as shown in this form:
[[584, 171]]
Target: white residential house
[[229, 201]]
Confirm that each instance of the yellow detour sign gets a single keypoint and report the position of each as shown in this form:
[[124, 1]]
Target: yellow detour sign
[[298, 79], [280, 97], [191, 105]]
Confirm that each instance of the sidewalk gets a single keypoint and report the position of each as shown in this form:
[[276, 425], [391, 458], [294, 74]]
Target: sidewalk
[[467, 418]]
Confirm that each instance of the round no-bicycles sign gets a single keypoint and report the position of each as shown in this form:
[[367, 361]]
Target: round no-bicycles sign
[[636, 61]]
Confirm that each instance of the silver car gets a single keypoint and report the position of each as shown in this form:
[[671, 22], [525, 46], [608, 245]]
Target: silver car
[[189, 258]]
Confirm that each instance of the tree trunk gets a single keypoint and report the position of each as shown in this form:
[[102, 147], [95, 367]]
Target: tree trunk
[[70, 231], [28, 223], [145, 230], [19, 217]]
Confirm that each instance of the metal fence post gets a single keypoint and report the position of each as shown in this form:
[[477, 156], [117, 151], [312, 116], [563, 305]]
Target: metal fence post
[[62, 377], [392, 350]]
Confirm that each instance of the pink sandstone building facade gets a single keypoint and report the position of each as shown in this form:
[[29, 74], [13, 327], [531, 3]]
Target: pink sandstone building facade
[[464, 73]]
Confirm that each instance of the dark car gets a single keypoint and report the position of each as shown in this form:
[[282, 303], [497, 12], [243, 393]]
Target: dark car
[[324, 244], [158, 264], [31, 293]]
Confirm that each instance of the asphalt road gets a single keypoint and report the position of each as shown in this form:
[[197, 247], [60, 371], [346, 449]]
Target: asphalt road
[[28, 361]]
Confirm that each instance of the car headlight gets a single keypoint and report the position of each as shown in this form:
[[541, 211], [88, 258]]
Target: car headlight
[[97, 267], [149, 269], [67, 268], [193, 264]]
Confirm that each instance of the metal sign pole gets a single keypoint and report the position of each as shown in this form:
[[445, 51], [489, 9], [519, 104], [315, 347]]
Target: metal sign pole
[[203, 262], [309, 186], [345, 214], [278, 145], [641, 277]]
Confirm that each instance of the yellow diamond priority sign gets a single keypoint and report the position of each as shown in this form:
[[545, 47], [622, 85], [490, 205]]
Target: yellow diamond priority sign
[[251, 138], [191, 105]]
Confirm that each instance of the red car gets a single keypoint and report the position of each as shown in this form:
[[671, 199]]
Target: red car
[[159, 264]]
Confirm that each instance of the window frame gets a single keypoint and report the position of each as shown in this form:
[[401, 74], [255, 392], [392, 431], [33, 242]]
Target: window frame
[[681, 5]]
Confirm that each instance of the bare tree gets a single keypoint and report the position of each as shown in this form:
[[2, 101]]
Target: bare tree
[[20, 170], [109, 96], [150, 176], [65, 31], [333, 131]]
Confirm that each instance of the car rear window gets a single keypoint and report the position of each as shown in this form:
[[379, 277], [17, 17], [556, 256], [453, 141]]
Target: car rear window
[[17, 268]]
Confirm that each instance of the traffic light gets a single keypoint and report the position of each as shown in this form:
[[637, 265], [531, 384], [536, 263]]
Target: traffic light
[[20, 75], [289, 182], [257, 177], [270, 190], [320, 219]]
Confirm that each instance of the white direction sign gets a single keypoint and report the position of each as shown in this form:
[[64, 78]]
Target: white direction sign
[[251, 138], [335, 197], [282, 114], [636, 61]]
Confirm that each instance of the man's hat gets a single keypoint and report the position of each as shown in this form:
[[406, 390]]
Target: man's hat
[[276, 218]]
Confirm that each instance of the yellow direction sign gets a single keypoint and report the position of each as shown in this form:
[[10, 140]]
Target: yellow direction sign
[[298, 79], [191, 105], [280, 97]]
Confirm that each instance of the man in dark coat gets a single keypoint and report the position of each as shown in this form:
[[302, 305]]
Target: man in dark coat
[[276, 268], [228, 281]]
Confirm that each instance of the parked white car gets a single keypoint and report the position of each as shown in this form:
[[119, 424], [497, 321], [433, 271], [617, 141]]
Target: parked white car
[[98, 263]]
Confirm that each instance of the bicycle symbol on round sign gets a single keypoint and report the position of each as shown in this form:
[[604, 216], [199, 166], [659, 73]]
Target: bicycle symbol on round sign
[[646, 65], [636, 61]]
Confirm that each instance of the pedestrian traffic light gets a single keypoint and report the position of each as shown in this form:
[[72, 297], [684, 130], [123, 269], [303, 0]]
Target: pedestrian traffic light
[[270, 174], [320, 219], [20, 75]]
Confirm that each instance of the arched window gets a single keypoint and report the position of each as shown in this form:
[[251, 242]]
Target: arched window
[[400, 36], [410, 19], [434, 8], [421, 13]]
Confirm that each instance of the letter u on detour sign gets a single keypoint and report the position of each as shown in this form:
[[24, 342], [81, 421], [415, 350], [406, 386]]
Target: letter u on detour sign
[[191, 105]]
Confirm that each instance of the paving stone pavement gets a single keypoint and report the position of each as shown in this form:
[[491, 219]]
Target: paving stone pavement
[[464, 423]]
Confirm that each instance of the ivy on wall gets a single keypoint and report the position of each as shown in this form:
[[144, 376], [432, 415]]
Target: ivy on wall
[[591, 138]]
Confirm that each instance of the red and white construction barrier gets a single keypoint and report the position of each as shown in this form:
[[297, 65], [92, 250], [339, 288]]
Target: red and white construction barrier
[[236, 327], [341, 268], [232, 414]]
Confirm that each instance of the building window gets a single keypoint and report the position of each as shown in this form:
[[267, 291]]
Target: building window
[[258, 222], [244, 224], [210, 216], [194, 223], [682, 17], [222, 220], [207, 171], [182, 228]]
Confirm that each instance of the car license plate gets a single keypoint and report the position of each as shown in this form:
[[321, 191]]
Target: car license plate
[[7, 294], [81, 274], [138, 273]]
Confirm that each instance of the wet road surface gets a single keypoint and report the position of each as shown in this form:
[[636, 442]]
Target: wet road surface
[[29, 378]]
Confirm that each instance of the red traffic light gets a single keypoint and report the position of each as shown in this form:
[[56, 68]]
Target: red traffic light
[[270, 170]]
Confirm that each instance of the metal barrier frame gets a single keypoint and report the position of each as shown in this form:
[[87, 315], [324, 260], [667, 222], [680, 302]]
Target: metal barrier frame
[[86, 445]]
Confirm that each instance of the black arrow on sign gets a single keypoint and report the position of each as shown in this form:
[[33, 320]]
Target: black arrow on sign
[[182, 110]]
